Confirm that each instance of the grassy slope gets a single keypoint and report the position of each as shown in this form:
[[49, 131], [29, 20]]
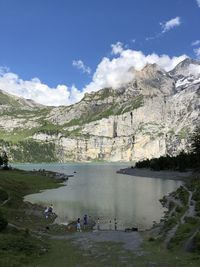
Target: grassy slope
[[17, 246], [17, 184]]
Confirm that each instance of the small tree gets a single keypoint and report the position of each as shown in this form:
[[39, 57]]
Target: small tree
[[3, 222], [195, 146], [5, 160], [1, 161]]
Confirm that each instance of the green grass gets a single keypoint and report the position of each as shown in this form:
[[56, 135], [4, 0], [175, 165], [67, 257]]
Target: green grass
[[106, 110], [183, 232], [17, 184], [162, 257], [17, 246], [17, 135], [21, 183], [183, 133], [17, 249], [182, 194], [30, 150], [63, 253], [7, 100]]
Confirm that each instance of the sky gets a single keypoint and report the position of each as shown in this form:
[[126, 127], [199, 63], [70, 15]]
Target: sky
[[54, 51]]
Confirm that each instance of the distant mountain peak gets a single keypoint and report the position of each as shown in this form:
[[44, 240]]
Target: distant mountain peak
[[9, 100], [185, 68]]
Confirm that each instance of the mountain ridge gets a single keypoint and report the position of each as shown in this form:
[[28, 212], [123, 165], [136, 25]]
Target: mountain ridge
[[150, 116]]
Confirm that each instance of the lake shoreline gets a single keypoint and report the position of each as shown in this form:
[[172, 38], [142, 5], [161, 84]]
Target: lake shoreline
[[147, 173]]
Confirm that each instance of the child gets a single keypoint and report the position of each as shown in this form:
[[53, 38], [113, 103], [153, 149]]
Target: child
[[78, 225]]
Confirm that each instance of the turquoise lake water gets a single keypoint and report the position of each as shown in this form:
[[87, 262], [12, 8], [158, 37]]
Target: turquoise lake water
[[98, 191]]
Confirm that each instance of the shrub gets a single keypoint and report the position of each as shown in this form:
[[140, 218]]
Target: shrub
[[179, 209], [191, 220], [151, 239], [196, 243], [171, 205], [3, 195], [3, 222]]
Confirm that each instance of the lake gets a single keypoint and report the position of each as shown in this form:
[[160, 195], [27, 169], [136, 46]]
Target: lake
[[98, 191]]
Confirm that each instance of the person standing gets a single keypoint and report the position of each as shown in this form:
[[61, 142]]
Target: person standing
[[78, 225], [115, 224], [110, 225], [98, 224], [85, 220]]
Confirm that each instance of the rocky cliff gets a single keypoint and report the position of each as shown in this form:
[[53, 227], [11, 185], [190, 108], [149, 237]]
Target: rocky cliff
[[153, 115]]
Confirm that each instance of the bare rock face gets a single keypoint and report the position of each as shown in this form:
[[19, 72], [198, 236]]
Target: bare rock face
[[153, 81], [151, 116]]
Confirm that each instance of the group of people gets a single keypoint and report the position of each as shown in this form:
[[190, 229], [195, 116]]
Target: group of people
[[48, 211], [85, 223], [110, 224]]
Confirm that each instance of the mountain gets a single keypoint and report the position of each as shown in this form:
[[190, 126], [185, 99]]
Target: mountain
[[11, 102], [153, 115]]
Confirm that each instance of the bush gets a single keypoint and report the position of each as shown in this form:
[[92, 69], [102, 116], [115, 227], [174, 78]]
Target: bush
[[3, 195], [182, 194], [197, 207], [3, 222], [191, 220], [170, 223], [179, 209], [171, 205], [151, 239], [196, 243]]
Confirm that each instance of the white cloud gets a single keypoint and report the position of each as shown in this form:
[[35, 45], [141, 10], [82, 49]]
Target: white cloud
[[197, 42], [81, 66], [197, 52], [118, 71], [198, 3], [37, 91], [194, 69], [157, 35], [117, 48], [113, 72], [170, 24], [3, 69]]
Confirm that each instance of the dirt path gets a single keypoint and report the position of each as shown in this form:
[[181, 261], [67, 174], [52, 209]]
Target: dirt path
[[130, 240], [190, 212]]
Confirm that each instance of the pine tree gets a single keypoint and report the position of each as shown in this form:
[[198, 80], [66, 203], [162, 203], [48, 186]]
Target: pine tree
[[195, 146], [5, 160], [1, 161]]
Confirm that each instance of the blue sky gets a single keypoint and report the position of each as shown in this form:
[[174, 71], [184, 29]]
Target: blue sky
[[46, 38]]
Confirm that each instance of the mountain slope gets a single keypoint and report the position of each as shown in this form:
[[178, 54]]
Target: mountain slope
[[151, 116]]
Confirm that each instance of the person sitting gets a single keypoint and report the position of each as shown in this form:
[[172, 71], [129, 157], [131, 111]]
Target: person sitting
[[50, 209]]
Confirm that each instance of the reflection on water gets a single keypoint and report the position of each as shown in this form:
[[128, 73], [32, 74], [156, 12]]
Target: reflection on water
[[97, 190]]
